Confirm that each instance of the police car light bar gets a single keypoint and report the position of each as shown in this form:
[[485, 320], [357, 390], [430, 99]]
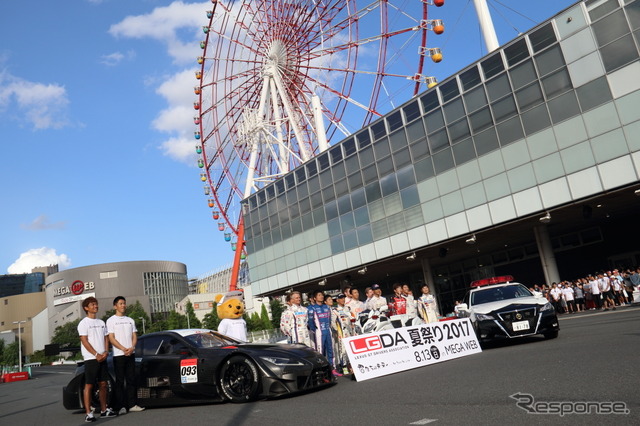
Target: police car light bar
[[492, 280]]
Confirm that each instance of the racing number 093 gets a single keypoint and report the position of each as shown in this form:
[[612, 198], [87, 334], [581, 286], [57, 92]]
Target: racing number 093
[[188, 370]]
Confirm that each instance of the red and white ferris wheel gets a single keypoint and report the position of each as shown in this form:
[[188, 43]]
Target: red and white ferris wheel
[[279, 80]]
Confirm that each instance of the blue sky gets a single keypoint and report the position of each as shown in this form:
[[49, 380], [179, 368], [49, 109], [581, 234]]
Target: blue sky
[[97, 158]]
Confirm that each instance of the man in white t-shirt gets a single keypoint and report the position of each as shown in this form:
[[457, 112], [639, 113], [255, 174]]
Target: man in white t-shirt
[[95, 348], [594, 288], [123, 336], [556, 296], [568, 296], [605, 289]]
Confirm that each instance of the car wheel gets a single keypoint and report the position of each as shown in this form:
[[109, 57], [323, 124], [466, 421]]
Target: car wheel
[[239, 379], [551, 335]]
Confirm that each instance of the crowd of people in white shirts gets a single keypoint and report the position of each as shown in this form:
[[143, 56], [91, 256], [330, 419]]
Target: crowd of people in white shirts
[[604, 290]]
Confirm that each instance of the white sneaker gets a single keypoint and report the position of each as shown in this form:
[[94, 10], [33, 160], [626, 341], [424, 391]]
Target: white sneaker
[[122, 411], [136, 408]]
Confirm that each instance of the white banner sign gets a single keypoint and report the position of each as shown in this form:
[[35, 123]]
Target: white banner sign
[[69, 299], [398, 349]]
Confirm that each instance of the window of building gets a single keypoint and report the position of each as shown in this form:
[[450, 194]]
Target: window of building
[[424, 169], [378, 129], [510, 131], [480, 120], [523, 74], [475, 99], [463, 151], [594, 93], [470, 78], [349, 146], [599, 8], [300, 174], [549, 61], [563, 107], [498, 87], [529, 96], [504, 109], [516, 52], [619, 53], [335, 153], [434, 121], [556, 83], [394, 121], [449, 90], [542, 37], [411, 111], [443, 161], [364, 139], [459, 130], [610, 28], [108, 274], [430, 101], [492, 66], [438, 140], [453, 111]]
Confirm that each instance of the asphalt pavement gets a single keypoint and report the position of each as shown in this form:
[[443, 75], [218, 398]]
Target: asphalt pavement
[[591, 367]]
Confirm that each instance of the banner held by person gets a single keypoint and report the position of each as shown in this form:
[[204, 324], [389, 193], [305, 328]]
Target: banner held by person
[[399, 349]]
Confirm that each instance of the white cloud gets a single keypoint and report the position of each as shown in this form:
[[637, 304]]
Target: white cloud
[[182, 149], [163, 24], [178, 27], [41, 223], [34, 258], [42, 105], [115, 58]]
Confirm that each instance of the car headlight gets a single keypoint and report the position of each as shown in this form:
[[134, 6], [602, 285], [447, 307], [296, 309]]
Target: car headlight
[[483, 317], [281, 361], [547, 307]]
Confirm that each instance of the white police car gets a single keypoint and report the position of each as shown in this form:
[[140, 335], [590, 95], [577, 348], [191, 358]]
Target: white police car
[[499, 308]]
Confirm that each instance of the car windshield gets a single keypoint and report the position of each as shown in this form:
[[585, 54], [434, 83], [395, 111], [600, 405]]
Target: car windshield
[[499, 293], [210, 340]]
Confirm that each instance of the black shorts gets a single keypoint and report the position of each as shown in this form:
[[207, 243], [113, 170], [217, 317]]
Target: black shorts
[[607, 295], [95, 371]]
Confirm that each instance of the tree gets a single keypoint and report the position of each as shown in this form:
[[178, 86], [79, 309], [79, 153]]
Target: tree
[[211, 320], [194, 322], [66, 335], [157, 325], [135, 312], [10, 354], [264, 318], [39, 356], [176, 321], [277, 308], [253, 322]]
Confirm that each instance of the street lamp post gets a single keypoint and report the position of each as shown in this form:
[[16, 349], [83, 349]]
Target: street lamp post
[[20, 342], [143, 329]]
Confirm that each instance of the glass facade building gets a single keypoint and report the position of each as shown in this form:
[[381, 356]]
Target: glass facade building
[[14, 284], [547, 120]]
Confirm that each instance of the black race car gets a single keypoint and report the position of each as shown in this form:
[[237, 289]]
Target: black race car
[[197, 365]]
